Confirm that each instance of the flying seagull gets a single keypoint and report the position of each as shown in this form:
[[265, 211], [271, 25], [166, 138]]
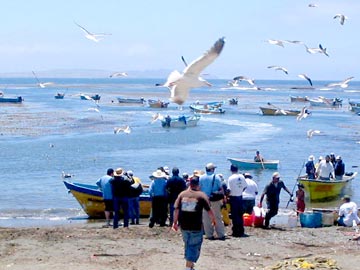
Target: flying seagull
[[243, 78], [118, 74], [276, 42], [180, 84], [341, 17], [321, 49], [91, 36], [303, 76], [156, 117], [125, 129], [312, 132], [312, 5], [40, 84], [279, 68], [343, 84], [303, 114]]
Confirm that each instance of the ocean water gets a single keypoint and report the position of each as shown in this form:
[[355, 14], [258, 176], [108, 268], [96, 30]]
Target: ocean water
[[43, 137]]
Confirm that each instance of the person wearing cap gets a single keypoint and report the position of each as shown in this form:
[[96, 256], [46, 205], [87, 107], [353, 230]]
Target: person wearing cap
[[157, 191], [325, 171], [188, 213], [310, 167], [339, 168], [121, 192], [272, 192], [211, 183], [300, 199], [105, 186], [348, 212], [174, 186], [236, 185], [134, 199], [249, 194]]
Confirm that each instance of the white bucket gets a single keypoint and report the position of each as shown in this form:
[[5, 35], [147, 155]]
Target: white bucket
[[327, 219], [292, 221]]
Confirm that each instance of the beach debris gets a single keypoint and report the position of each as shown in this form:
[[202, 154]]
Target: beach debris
[[302, 263]]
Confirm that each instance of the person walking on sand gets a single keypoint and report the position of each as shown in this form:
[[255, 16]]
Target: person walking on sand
[[105, 186], [272, 192], [189, 207]]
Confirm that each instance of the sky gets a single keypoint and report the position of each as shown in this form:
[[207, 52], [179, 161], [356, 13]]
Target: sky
[[41, 35]]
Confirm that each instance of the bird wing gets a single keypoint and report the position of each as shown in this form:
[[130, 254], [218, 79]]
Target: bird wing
[[179, 93], [306, 78], [35, 77], [86, 31], [346, 81], [172, 78], [198, 65]]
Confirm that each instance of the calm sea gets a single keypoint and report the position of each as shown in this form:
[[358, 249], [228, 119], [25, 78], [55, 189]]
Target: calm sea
[[43, 137]]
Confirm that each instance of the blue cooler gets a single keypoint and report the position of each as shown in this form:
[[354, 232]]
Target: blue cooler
[[311, 220]]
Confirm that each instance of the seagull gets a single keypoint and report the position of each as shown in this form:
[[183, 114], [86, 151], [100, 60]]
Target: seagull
[[243, 78], [94, 110], [303, 114], [303, 76], [343, 84], [125, 129], [312, 132], [323, 50], [180, 84], [341, 17], [312, 5], [118, 74], [40, 84], [294, 41], [279, 68], [276, 42], [66, 175], [156, 117], [91, 36]]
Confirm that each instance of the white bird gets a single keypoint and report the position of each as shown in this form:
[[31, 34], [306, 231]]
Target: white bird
[[66, 175], [94, 110], [343, 84], [281, 111], [276, 42], [303, 76], [243, 78], [118, 74], [156, 117], [316, 50], [92, 36], [125, 129], [279, 68], [294, 41], [180, 84], [40, 84], [312, 5], [341, 17], [303, 114], [312, 132]]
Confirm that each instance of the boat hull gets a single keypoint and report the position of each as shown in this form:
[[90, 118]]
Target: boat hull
[[11, 100], [191, 121], [279, 112], [131, 100], [157, 104], [299, 99], [323, 190], [90, 199], [207, 109], [251, 164]]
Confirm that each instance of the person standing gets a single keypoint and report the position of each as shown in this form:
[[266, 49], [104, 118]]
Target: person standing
[[134, 199], [105, 186], [209, 183], [325, 171], [272, 192], [157, 191], [300, 199], [339, 169], [121, 192], [310, 167], [189, 207], [249, 194], [236, 185], [348, 212], [174, 186]]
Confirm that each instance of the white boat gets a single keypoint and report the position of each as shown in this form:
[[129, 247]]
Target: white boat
[[180, 121], [251, 164], [325, 102], [131, 100]]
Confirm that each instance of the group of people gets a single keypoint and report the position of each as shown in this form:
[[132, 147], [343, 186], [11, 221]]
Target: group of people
[[327, 168]]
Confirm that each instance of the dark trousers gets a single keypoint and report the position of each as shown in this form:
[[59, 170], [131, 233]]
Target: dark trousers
[[236, 209], [121, 203], [273, 209], [159, 210]]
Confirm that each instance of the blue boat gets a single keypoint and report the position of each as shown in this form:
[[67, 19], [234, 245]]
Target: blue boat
[[11, 100], [251, 164], [180, 121], [59, 96]]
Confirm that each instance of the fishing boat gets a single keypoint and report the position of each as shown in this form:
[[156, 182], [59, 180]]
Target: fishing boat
[[11, 100], [157, 103], [251, 164], [279, 112], [59, 96], [354, 106], [90, 199], [233, 101], [207, 109], [124, 100], [326, 190], [299, 99], [180, 122], [326, 102], [86, 97]]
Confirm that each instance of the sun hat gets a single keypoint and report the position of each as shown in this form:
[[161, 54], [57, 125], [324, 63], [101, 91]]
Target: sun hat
[[311, 158], [276, 175], [166, 169], [158, 174], [321, 158], [118, 172], [338, 157], [210, 166]]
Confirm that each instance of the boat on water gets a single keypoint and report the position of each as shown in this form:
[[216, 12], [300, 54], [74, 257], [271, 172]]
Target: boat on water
[[180, 122], [325, 190], [123, 100], [233, 101], [299, 99], [157, 103], [325, 102], [354, 106], [207, 109], [279, 112], [90, 199], [11, 99], [86, 97], [59, 96], [251, 164]]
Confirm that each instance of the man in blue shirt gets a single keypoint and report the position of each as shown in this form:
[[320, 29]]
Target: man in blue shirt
[[105, 186]]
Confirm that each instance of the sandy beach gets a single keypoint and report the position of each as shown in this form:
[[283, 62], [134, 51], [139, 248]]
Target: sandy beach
[[90, 246]]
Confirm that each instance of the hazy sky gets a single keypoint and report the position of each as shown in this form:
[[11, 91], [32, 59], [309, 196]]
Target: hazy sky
[[41, 35]]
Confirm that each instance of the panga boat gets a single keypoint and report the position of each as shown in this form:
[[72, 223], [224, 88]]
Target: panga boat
[[180, 122], [326, 102], [11, 100], [157, 103], [251, 164], [354, 106], [124, 100], [59, 96], [86, 97], [298, 99], [325, 190], [207, 108], [278, 111], [90, 199]]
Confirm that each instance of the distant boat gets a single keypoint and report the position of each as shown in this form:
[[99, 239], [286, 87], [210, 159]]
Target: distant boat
[[207, 109], [131, 100], [157, 103], [94, 97], [59, 96], [278, 111], [299, 99], [325, 102], [11, 100], [180, 122], [90, 199], [325, 190], [354, 106], [251, 164], [233, 101]]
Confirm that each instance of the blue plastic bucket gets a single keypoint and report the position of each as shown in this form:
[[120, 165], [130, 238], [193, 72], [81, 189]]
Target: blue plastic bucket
[[311, 220]]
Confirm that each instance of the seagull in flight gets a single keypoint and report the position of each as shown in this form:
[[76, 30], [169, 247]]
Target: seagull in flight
[[40, 84], [92, 36], [243, 78], [118, 74], [312, 5], [125, 129], [66, 175], [343, 84], [156, 117], [312, 132], [303, 76], [341, 17], [279, 68], [276, 42], [181, 83], [303, 114], [321, 49]]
